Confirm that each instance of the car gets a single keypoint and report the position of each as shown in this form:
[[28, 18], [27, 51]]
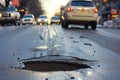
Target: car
[[28, 19], [83, 12], [55, 19], [105, 14], [8, 15], [116, 10], [108, 13], [42, 19]]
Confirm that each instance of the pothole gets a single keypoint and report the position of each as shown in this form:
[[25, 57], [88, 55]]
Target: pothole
[[56, 63]]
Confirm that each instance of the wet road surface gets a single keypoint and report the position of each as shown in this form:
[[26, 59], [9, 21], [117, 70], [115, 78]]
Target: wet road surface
[[23, 42]]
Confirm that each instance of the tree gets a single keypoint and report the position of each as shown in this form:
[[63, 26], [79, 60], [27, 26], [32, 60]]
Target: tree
[[33, 6], [7, 3]]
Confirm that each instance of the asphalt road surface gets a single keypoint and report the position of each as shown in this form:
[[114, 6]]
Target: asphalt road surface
[[23, 42]]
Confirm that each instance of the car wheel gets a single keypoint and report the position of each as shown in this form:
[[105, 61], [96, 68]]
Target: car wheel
[[37, 23], [19, 24], [15, 23], [3, 24], [62, 24], [65, 24], [94, 24], [51, 23], [11, 23], [23, 23], [86, 26]]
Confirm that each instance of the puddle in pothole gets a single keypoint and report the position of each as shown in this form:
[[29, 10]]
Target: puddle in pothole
[[57, 63]]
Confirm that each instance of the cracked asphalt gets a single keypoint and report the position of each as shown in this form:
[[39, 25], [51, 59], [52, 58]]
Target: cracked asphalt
[[23, 42]]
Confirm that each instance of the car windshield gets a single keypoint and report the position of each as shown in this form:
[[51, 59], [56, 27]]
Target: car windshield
[[43, 17], [11, 8], [56, 18], [28, 16], [82, 3]]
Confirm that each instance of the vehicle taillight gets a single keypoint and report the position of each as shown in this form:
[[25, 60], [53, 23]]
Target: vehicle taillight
[[114, 11], [95, 10], [69, 9]]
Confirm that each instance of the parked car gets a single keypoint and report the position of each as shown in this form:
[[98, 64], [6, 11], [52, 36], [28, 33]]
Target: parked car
[[55, 19], [28, 19], [42, 19], [83, 12], [106, 13], [116, 10], [8, 15]]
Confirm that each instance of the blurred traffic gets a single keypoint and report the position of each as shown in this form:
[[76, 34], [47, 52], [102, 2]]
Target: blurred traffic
[[42, 19], [55, 19], [14, 11], [109, 13], [81, 13], [9, 14], [28, 19]]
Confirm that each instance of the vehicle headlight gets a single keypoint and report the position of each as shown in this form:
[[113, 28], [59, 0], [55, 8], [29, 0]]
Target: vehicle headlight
[[33, 19], [62, 17], [12, 14], [0, 15], [22, 20], [46, 20], [39, 20]]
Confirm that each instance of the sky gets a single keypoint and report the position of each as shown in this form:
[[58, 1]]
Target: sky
[[50, 7]]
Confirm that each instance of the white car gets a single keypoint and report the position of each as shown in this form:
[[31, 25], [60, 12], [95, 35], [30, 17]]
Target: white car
[[42, 19], [28, 19], [9, 14], [55, 19], [83, 12]]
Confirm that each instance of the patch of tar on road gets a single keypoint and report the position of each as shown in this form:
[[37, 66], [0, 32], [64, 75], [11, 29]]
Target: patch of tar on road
[[75, 41], [82, 36], [41, 37], [88, 44], [71, 38]]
